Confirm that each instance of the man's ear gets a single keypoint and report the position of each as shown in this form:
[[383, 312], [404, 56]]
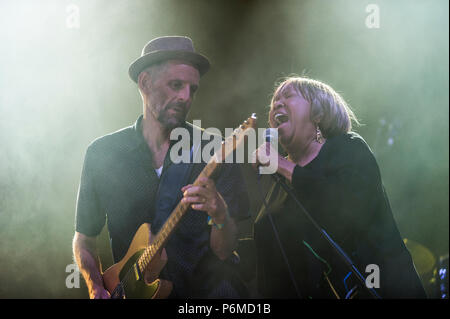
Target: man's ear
[[144, 81]]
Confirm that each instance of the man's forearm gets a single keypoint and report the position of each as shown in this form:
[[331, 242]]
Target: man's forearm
[[224, 240], [89, 265]]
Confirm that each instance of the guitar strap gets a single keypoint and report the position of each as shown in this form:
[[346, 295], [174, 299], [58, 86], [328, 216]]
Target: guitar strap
[[173, 178]]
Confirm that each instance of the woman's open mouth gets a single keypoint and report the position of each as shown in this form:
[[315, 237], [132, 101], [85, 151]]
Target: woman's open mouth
[[280, 118]]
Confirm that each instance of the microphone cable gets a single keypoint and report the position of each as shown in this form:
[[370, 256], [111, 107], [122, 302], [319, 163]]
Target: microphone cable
[[280, 245]]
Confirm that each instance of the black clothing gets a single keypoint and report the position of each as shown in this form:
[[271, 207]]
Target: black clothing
[[342, 190], [119, 184]]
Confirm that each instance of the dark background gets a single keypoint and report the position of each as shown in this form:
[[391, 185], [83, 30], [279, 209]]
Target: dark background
[[61, 87]]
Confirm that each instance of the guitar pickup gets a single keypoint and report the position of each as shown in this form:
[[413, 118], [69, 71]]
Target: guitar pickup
[[137, 272]]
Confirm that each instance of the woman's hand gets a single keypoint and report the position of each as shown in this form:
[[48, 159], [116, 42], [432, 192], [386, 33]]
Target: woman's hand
[[266, 156]]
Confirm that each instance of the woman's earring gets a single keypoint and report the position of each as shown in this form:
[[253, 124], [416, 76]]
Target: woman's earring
[[319, 137]]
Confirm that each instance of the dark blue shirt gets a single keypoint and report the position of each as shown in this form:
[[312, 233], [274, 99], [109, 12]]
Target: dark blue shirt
[[119, 185]]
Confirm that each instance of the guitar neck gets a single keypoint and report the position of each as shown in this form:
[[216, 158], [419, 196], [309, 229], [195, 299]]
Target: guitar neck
[[173, 220]]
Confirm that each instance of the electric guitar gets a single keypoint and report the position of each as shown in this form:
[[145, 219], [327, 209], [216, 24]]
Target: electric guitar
[[136, 275]]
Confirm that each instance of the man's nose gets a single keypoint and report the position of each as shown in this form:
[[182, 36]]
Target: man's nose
[[184, 94]]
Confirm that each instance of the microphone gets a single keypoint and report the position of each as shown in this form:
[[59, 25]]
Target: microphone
[[270, 136]]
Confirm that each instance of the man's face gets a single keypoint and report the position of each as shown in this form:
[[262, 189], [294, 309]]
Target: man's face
[[171, 91]]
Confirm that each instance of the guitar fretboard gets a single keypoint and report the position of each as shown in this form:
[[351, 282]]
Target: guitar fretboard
[[173, 220]]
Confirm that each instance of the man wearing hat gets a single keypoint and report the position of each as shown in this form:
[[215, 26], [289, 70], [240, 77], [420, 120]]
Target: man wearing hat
[[128, 179]]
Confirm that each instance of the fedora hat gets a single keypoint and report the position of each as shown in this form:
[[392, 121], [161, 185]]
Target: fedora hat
[[168, 48]]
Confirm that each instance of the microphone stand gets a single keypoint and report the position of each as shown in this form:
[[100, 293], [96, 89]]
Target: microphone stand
[[336, 248]]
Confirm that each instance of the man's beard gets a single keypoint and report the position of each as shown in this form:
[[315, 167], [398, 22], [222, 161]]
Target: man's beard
[[175, 120]]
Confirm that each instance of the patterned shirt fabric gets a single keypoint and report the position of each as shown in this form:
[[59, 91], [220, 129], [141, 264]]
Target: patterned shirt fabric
[[119, 186]]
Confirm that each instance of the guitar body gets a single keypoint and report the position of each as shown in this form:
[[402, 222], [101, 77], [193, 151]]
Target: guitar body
[[122, 280]]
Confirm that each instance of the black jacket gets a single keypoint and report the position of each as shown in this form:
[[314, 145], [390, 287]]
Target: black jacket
[[343, 192]]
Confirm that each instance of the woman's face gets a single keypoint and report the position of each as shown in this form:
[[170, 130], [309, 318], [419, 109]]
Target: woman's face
[[290, 113]]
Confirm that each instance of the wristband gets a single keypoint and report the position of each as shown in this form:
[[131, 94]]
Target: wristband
[[211, 223]]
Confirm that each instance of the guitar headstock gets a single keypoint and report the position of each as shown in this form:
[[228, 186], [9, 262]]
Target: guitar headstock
[[233, 141], [248, 123]]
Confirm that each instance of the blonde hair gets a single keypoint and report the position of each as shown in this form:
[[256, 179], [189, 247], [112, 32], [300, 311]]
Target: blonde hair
[[327, 106]]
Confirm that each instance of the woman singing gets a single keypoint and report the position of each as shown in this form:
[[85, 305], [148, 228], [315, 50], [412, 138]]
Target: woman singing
[[334, 175]]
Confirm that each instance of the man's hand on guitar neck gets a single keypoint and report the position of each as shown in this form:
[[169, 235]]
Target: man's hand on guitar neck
[[205, 197]]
